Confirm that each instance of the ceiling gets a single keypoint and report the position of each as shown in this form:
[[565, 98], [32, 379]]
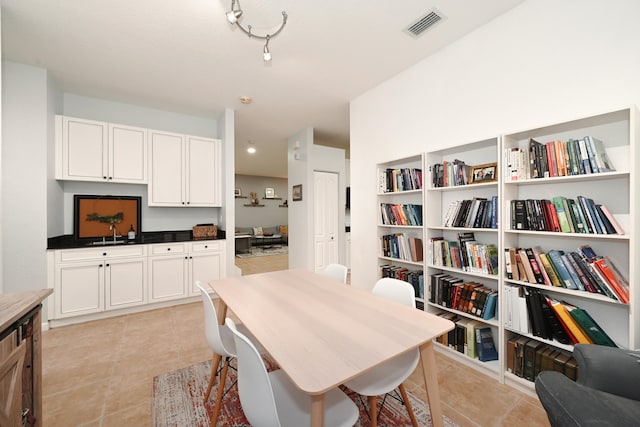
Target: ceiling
[[183, 56]]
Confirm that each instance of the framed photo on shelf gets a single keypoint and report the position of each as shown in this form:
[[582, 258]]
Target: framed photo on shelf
[[237, 192], [269, 193], [296, 194], [484, 173]]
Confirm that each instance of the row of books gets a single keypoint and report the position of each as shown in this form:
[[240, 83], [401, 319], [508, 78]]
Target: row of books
[[581, 270], [478, 212], [414, 277], [465, 254], [449, 174], [401, 214], [402, 246], [562, 214], [469, 337], [468, 297], [526, 358], [581, 156], [404, 179], [530, 311]]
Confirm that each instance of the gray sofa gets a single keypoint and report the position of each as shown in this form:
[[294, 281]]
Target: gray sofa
[[274, 230]]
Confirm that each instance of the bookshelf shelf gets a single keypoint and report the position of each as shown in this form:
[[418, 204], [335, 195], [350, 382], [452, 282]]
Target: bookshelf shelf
[[438, 205], [619, 132], [613, 189], [405, 174]]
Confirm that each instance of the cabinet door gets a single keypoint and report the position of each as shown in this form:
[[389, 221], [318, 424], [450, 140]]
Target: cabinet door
[[203, 172], [167, 277], [205, 268], [12, 359], [126, 283], [127, 154], [79, 288], [84, 150], [166, 168]]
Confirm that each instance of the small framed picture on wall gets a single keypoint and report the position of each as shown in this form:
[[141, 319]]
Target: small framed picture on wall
[[296, 194], [269, 193]]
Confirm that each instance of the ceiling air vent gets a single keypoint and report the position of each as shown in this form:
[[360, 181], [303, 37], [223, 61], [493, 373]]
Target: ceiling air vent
[[423, 24]]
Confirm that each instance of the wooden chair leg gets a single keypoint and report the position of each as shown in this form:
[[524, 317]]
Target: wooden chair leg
[[373, 410], [405, 397], [215, 364], [223, 379]]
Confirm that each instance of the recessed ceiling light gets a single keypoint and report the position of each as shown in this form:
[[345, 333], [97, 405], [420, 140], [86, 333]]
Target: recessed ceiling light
[[251, 150], [246, 100]]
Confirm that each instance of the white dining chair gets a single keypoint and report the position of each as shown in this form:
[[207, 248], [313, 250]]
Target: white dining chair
[[271, 399], [391, 374], [336, 272], [221, 341]]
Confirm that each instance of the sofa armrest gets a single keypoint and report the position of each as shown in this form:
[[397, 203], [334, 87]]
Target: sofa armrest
[[610, 369], [571, 404]]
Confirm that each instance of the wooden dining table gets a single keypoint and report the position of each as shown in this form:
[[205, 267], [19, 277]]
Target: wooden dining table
[[323, 333]]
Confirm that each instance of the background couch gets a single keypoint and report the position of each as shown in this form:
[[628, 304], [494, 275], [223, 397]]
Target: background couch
[[281, 230]]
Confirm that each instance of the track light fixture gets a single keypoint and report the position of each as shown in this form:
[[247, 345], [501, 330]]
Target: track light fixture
[[234, 15]]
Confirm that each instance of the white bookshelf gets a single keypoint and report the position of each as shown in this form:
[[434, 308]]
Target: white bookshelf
[[437, 201], [411, 196], [617, 190]]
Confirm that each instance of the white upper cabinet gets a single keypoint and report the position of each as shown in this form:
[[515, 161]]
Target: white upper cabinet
[[88, 150], [184, 170]]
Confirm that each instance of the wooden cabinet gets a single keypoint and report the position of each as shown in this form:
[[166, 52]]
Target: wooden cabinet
[[21, 358], [88, 150], [94, 280], [184, 170]]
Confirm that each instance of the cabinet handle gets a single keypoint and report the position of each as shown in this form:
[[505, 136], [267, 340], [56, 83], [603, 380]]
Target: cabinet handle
[[168, 249], [100, 266], [107, 265], [104, 177], [186, 257], [206, 246], [104, 254]]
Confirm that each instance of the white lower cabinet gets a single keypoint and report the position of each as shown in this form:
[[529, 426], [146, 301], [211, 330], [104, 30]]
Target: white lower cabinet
[[95, 280], [168, 273], [206, 262]]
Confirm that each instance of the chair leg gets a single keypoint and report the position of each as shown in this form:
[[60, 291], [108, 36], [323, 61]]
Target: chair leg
[[403, 393], [215, 364], [373, 411], [223, 379]]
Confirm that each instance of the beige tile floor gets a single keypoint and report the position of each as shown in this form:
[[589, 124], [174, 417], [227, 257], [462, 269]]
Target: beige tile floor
[[100, 373]]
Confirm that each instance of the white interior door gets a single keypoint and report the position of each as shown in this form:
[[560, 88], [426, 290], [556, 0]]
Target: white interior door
[[325, 219]]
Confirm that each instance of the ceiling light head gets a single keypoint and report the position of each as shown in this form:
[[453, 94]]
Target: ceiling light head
[[246, 100], [234, 14], [233, 17], [266, 53], [251, 149]]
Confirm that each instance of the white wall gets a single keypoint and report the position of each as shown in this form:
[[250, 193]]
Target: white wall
[[300, 212], [268, 216], [24, 177], [543, 62]]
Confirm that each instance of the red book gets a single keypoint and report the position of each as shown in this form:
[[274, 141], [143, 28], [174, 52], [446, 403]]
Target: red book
[[553, 215], [605, 268]]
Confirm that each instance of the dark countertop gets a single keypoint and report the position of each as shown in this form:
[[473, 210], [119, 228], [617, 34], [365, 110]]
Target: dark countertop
[[67, 241]]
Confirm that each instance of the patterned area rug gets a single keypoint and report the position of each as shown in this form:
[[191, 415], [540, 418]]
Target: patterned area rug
[[260, 251], [178, 396]]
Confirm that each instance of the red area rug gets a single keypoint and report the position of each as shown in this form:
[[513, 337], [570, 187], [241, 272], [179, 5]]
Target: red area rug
[[178, 396]]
